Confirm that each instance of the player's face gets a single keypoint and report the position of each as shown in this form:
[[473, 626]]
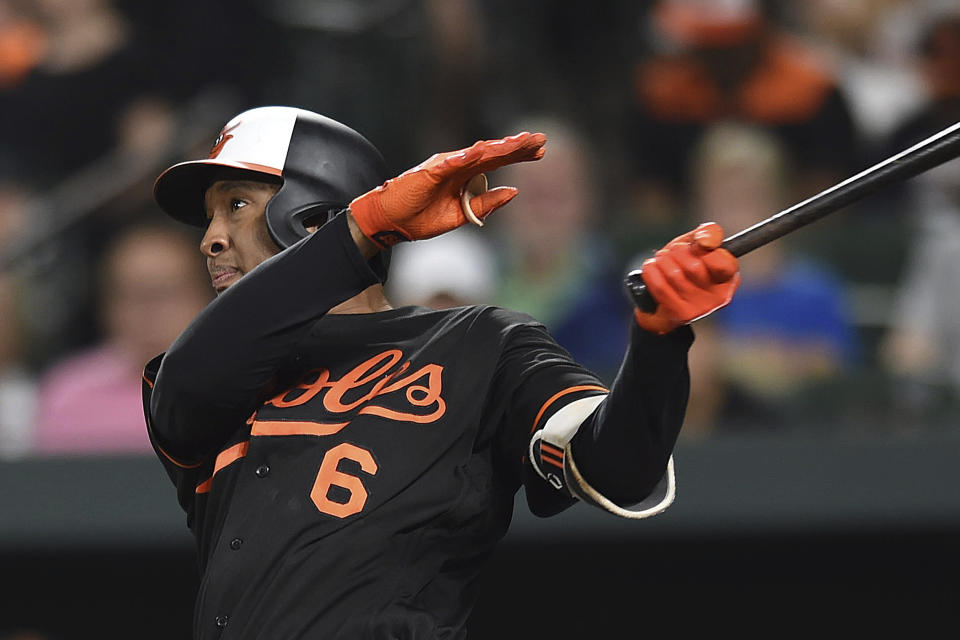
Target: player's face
[[237, 239]]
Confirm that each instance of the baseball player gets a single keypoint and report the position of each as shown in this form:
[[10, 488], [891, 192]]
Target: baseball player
[[347, 467]]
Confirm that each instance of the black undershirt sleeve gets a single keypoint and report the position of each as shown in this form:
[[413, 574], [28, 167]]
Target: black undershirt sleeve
[[622, 449], [221, 367]]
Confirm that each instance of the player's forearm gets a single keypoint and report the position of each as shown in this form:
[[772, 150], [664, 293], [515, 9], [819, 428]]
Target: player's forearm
[[623, 448], [218, 369]]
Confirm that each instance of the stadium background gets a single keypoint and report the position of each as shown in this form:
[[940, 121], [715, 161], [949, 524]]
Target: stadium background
[[830, 495]]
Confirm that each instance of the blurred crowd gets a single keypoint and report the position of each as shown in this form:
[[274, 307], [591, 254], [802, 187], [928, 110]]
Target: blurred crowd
[[659, 115]]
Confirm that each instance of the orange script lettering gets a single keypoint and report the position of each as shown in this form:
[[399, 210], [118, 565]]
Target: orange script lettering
[[373, 378]]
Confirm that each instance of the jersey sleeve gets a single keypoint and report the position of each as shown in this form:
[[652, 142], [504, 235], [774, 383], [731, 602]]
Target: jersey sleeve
[[574, 439], [535, 377], [184, 475], [220, 369]]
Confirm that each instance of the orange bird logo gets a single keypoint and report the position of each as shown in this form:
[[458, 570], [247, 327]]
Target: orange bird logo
[[222, 140]]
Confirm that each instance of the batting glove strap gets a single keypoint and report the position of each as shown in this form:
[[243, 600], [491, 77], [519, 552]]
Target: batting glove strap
[[657, 502]]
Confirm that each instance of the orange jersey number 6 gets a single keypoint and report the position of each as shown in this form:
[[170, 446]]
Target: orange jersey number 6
[[328, 476]]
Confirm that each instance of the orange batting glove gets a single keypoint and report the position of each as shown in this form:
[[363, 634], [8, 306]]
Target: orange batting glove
[[425, 201], [690, 277]]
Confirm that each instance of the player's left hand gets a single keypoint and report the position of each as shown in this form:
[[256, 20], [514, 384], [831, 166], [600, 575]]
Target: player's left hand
[[425, 201], [690, 277]]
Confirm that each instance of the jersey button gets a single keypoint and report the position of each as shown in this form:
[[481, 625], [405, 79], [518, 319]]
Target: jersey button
[[263, 471], [222, 621], [236, 543]]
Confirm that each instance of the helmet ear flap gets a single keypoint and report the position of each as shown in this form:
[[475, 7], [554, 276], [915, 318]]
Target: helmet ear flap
[[288, 225], [314, 216], [301, 223]]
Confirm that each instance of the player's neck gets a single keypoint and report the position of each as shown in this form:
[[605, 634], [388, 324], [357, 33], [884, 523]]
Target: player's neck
[[369, 300]]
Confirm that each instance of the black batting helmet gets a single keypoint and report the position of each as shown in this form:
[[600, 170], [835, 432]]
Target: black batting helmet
[[323, 165]]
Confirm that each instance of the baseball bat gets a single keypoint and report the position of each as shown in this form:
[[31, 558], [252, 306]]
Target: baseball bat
[[931, 152]]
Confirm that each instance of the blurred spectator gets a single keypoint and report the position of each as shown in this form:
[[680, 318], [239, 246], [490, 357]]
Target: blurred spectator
[[873, 47], [729, 59], [59, 116], [455, 269], [152, 285], [65, 226], [788, 325], [562, 57], [877, 78], [228, 44], [21, 45], [556, 263], [17, 384], [347, 59], [77, 67], [922, 348], [939, 64], [899, 25], [14, 210]]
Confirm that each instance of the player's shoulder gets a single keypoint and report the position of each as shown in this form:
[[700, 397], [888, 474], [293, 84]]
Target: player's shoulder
[[509, 329], [151, 369], [501, 319], [503, 315], [485, 314], [480, 323]]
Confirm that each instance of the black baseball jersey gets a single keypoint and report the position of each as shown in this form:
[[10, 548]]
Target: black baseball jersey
[[347, 476]]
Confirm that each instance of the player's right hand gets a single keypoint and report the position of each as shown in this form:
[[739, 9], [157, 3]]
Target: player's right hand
[[691, 277], [425, 201]]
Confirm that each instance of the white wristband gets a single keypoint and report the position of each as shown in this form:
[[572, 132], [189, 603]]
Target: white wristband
[[548, 445]]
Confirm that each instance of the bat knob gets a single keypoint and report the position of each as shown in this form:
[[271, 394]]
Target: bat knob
[[639, 293]]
